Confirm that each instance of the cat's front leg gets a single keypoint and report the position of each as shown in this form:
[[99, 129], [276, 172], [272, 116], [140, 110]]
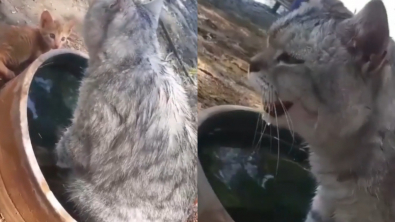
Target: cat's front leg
[[35, 55], [5, 73], [322, 208], [44, 156], [63, 158]]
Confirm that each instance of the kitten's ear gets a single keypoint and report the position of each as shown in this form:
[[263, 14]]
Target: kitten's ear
[[70, 25], [155, 7], [45, 19], [367, 33]]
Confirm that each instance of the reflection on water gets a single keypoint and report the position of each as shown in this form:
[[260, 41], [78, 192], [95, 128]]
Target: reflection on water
[[260, 184], [237, 161], [52, 98]]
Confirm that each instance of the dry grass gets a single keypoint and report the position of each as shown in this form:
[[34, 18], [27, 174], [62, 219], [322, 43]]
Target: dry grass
[[224, 47]]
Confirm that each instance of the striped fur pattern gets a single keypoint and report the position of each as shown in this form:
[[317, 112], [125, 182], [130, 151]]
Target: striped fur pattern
[[328, 75], [132, 145]]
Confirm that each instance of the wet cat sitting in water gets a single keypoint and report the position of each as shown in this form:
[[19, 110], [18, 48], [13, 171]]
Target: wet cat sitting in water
[[131, 146], [328, 75]]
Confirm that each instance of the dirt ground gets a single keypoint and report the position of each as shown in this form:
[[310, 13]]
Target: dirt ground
[[225, 45]]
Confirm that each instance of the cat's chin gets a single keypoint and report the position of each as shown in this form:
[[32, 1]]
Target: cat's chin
[[294, 116]]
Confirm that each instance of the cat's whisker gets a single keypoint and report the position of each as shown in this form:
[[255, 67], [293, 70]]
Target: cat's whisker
[[257, 123], [264, 126], [256, 129], [261, 135], [270, 107], [278, 150], [256, 147], [287, 117], [289, 121], [278, 141], [267, 105]]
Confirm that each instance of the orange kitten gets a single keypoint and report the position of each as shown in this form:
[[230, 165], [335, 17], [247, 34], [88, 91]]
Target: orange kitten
[[20, 44]]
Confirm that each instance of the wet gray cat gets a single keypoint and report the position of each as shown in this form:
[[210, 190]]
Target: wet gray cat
[[329, 75], [132, 146]]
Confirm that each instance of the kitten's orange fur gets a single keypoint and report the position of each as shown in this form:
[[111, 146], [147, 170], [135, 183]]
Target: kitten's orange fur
[[20, 44]]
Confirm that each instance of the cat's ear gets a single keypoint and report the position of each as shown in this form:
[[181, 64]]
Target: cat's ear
[[367, 34], [155, 7], [90, 2], [45, 19], [70, 25], [335, 7]]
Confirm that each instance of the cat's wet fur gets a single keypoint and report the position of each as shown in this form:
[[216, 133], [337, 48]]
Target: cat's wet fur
[[132, 145], [335, 72]]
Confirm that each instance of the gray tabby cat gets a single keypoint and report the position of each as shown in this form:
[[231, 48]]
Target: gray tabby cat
[[329, 75], [132, 145]]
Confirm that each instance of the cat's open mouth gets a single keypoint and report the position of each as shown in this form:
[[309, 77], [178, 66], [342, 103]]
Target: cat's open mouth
[[277, 108]]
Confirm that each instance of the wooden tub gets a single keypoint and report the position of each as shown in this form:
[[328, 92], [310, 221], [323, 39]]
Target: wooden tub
[[232, 141], [24, 193]]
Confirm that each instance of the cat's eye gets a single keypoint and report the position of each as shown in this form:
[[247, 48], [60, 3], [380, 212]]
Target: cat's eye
[[52, 35], [289, 59], [63, 38], [113, 5]]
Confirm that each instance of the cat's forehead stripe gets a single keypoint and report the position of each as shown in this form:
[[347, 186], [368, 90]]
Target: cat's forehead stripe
[[299, 16], [310, 14]]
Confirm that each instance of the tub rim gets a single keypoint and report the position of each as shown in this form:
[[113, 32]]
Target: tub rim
[[20, 116]]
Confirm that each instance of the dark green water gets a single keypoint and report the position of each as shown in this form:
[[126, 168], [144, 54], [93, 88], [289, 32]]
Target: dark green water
[[249, 178], [52, 99]]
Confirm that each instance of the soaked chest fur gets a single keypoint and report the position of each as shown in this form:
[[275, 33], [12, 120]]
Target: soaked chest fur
[[360, 206], [351, 201]]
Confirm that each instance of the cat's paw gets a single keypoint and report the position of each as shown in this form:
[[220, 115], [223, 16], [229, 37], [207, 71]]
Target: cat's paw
[[7, 75], [10, 74], [63, 159], [63, 165]]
